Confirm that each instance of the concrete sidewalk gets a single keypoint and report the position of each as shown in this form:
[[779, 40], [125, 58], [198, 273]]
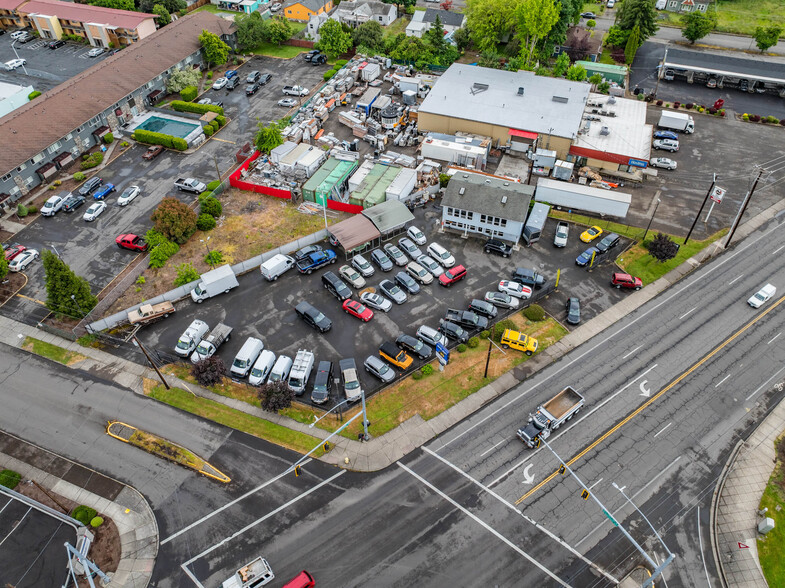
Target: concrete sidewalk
[[124, 505]]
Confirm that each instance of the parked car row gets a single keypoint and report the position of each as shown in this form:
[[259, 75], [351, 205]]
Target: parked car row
[[69, 201]]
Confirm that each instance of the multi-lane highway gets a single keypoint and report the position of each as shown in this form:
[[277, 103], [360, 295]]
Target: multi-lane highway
[[669, 390]]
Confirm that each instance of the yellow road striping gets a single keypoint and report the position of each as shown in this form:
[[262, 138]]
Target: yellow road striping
[[652, 399], [223, 140], [41, 302]]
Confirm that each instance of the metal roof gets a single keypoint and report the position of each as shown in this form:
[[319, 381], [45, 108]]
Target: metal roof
[[770, 71], [354, 232], [389, 215]]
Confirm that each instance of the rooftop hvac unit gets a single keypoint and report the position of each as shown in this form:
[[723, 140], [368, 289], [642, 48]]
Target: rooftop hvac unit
[[504, 199], [605, 131], [461, 191], [562, 99], [520, 90]]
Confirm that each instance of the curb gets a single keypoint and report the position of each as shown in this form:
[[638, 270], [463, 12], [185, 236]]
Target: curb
[[714, 505]]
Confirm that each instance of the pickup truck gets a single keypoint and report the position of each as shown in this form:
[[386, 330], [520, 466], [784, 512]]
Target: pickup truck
[[131, 242], [210, 344], [549, 417], [315, 260], [466, 318], [295, 91], [189, 185], [562, 232], [252, 575], [148, 313], [519, 341]]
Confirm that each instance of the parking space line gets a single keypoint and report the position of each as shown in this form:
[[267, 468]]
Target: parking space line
[[662, 430], [631, 352], [485, 525], [16, 525]]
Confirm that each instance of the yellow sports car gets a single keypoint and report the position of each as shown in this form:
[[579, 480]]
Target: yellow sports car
[[591, 234]]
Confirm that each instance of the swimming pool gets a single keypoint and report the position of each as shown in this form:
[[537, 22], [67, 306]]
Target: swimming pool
[[168, 126]]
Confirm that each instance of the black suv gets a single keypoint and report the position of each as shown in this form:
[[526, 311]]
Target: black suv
[[608, 242], [313, 316], [336, 286], [56, 44], [252, 88], [232, 83], [417, 347], [453, 331], [483, 307], [573, 311], [498, 247], [310, 54], [323, 382], [528, 277], [90, 186], [265, 78], [253, 77], [73, 202]]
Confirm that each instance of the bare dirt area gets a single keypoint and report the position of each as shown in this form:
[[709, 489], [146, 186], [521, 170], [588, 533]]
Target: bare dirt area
[[250, 225], [10, 285]]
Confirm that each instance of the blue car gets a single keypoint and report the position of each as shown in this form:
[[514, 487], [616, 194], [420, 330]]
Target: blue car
[[666, 135], [585, 257], [229, 74], [104, 191]]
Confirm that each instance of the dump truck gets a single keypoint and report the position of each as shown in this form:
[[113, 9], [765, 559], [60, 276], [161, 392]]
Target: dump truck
[[676, 121], [148, 313], [210, 344], [549, 417], [214, 282], [251, 575]]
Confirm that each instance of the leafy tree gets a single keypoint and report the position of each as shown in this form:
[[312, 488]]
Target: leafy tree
[[117, 4], [534, 20], [275, 396], [434, 37], [616, 37], [641, 13], [164, 18], [662, 248], [412, 50], [3, 268], [576, 73], [182, 78], [216, 52], [371, 35], [209, 371], [562, 65], [595, 80], [61, 284], [766, 37], [633, 42], [462, 38], [446, 5], [186, 273], [277, 30], [401, 5], [697, 25], [171, 6], [488, 21], [250, 30], [174, 220], [558, 33], [268, 137], [334, 41]]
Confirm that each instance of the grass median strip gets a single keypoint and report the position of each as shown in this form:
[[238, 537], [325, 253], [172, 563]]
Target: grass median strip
[[771, 547], [50, 351]]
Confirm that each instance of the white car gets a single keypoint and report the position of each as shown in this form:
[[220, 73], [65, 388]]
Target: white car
[[14, 63], [275, 7], [128, 195], [416, 235], [428, 263], [515, 289], [94, 211], [96, 51], [220, 83], [419, 273], [762, 296], [376, 301], [441, 255], [21, 261], [18, 34], [52, 206], [288, 102], [663, 162], [431, 336]]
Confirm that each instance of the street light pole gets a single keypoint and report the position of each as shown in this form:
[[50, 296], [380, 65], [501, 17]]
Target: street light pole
[[651, 220], [209, 253], [73, 298]]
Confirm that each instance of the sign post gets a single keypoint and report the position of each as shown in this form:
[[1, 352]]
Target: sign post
[[443, 354], [716, 197]]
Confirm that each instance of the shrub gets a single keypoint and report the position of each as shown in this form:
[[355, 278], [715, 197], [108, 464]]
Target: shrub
[[108, 138], [214, 258], [33, 94], [153, 238], [179, 143], [124, 144], [57, 182], [210, 371], [183, 106], [341, 62], [534, 313], [96, 522], [444, 179], [205, 222], [214, 124], [417, 375], [211, 206], [591, 23], [208, 131], [755, 118], [689, 106], [641, 97], [140, 280], [189, 93], [659, 102], [160, 253], [152, 138], [328, 74], [92, 160], [186, 273], [500, 327], [174, 220], [485, 334], [51, 188], [662, 247], [221, 120], [209, 75], [275, 396], [213, 185], [427, 369], [32, 209], [782, 122], [701, 109], [79, 177], [676, 104], [21, 210], [10, 478], [473, 342], [83, 514], [772, 120], [461, 348]]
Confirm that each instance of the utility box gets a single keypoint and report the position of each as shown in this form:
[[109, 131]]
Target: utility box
[[766, 525]]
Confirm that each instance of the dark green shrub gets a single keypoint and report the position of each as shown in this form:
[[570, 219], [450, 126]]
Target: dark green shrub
[[328, 74], [500, 326], [215, 125], [534, 313], [189, 93], [21, 210], [485, 334], [33, 94], [473, 342], [221, 120], [208, 131], [92, 160], [10, 478], [205, 222], [83, 514], [417, 375], [213, 185], [108, 138], [96, 522], [32, 209], [444, 179], [211, 206], [161, 253], [461, 348], [426, 370], [182, 106]]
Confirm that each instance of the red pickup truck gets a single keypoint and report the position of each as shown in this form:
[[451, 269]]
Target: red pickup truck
[[131, 242]]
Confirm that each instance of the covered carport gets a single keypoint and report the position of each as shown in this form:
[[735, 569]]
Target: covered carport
[[699, 67], [390, 218], [355, 234]]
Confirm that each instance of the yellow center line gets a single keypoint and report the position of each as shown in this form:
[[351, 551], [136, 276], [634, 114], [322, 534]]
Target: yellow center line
[[652, 399]]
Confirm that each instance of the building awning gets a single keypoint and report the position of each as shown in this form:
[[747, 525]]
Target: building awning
[[522, 134], [354, 232], [101, 131], [389, 216], [64, 158], [47, 170]]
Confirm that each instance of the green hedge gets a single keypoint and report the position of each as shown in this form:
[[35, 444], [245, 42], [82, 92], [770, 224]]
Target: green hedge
[[9, 478], [215, 125], [152, 138], [182, 106], [213, 185], [221, 120], [108, 138], [328, 74], [92, 160], [161, 253], [208, 131], [189, 93], [205, 222], [33, 94], [211, 206]]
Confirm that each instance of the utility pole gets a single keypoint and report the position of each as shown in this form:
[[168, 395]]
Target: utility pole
[[651, 220], [744, 204], [697, 216], [490, 346], [155, 367]]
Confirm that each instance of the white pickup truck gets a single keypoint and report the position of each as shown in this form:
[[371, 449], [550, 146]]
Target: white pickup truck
[[295, 91], [190, 185]]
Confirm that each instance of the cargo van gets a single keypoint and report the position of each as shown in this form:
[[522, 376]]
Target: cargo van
[[245, 359], [261, 369], [276, 266], [281, 369]]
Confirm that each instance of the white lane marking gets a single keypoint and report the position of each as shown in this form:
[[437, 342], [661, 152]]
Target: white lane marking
[[662, 430], [773, 339], [511, 506], [686, 313], [718, 384], [16, 525], [631, 352], [587, 415], [262, 519], [700, 541], [644, 390], [528, 478], [736, 279], [227, 505], [190, 575], [777, 373], [595, 483], [778, 249], [494, 447]]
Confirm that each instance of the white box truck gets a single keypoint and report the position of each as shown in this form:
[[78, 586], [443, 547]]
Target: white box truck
[[192, 336], [300, 372], [676, 121], [214, 282], [276, 266], [532, 230]]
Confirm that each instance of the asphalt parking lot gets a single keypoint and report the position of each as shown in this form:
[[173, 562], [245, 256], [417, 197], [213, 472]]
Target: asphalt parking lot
[[32, 552], [266, 310]]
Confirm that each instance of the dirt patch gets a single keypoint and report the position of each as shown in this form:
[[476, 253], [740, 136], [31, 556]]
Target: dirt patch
[[10, 285]]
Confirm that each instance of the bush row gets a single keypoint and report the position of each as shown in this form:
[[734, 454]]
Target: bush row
[[152, 138], [182, 106], [161, 248], [772, 120], [91, 160]]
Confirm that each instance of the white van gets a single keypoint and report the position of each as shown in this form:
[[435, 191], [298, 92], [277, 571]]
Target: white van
[[245, 359], [276, 266], [441, 255], [281, 369], [261, 369]]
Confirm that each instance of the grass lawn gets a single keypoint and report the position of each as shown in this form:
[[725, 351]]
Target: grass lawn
[[397, 26], [739, 16], [272, 50], [215, 10], [50, 351], [771, 547], [605, 57]]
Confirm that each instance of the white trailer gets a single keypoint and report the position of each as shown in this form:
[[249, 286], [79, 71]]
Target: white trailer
[[277, 154], [403, 184], [584, 198]]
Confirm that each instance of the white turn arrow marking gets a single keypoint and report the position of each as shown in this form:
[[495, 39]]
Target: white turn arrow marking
[[644, 390], [528, 478]]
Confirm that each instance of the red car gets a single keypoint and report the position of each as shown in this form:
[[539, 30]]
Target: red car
[[620, 280], [13, 251], [131, 242], [152, 152], [357, 309], [452, 275]]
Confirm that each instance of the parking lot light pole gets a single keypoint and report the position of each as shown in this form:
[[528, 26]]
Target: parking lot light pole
[[13, 46], [73, 297], [209, 253]]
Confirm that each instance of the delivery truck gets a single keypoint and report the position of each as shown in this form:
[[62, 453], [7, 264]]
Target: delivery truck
[[221, 279], [676, 121], [550, 416]]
